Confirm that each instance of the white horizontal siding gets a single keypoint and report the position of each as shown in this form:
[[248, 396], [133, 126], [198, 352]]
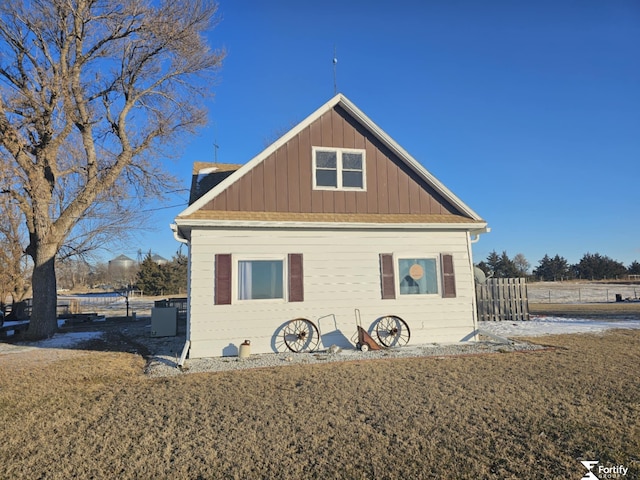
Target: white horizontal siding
[[341, 274]]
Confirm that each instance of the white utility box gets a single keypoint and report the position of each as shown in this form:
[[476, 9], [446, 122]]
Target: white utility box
[[164, 321]]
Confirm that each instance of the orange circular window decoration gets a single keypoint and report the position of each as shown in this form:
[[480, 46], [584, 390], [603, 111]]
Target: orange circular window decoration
[[416, 271]]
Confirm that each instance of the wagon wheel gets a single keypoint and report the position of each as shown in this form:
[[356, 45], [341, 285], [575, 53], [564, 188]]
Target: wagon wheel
[[392, 331], [301, 335]]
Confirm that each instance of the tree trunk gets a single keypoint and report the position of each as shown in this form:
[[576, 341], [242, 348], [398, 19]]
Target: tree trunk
[[44, 321]]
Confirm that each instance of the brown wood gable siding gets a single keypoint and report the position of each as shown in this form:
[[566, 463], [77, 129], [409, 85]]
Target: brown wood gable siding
[[283, 182]]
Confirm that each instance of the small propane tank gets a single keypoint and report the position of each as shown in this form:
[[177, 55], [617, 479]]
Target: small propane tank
[[245, 349]]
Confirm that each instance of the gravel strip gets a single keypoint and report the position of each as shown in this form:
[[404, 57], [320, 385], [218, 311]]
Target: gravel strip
[[163, 365], [163, 353]]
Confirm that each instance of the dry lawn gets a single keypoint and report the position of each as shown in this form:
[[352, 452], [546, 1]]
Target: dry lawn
[[497, 416]]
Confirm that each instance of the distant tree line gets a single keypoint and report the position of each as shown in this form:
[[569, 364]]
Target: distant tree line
[[592, 266], [78, 275]]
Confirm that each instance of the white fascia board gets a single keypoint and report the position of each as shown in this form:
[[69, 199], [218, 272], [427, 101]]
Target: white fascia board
[[475, 228], [207, 197]]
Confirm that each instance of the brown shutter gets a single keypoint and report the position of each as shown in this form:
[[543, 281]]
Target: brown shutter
[[296, 278], [387, 278], [448, 277], [222, 284]]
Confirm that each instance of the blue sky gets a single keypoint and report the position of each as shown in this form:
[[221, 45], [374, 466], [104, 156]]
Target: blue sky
[[528, 111]]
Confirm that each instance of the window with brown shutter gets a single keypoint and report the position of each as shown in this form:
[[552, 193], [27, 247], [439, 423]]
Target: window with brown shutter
[[448, 277], [222, 284], [387, 278], [296, 278]]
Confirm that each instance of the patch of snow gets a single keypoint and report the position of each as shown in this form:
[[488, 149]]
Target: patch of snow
[[59, 340], [66, 340], [542, 325], [14, 323]]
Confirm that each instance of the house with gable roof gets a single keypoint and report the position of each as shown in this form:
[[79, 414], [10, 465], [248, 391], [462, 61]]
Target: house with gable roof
[[332, 225]]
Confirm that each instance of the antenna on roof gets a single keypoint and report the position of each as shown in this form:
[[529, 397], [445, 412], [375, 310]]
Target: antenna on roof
[[335, 63], [215, 144]]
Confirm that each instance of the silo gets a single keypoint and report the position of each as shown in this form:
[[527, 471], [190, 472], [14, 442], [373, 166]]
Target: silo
[[121, 262], [121, 271], [159, 259]]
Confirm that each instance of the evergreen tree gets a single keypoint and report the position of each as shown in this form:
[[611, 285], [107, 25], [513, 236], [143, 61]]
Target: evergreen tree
[[506, 267], [552, 269], [599, 267], [151, 278], [492, 264], [499, 266], [634, 268], [176, 274], [167, 279]]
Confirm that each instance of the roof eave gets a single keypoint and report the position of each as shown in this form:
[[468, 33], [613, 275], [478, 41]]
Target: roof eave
[[473, 227]]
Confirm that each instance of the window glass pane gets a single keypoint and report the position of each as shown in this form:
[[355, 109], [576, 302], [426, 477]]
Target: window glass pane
[[260, 279], [352, 179], [352, 161], [326, 159], [418, 276], [326, 178]]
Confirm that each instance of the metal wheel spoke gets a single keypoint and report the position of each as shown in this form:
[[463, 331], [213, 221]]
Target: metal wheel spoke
[[301, 335], [392, 331]]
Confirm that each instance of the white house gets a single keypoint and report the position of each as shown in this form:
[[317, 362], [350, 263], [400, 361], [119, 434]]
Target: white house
[[332, 225]]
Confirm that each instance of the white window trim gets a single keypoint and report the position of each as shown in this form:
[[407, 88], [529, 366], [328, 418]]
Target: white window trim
[[339, 152], [235, 277], [425, 256]]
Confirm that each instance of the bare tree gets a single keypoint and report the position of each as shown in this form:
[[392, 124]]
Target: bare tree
[[15, 271], [522, 264], [98, 275], [72, 273], [90, 92]]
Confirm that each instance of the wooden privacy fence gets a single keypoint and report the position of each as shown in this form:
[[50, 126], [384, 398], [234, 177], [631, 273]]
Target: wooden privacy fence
[[502, 299]]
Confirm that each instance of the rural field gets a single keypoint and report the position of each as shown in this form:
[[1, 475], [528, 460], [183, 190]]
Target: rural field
[[90, 411], [581, 292], [94, 414]]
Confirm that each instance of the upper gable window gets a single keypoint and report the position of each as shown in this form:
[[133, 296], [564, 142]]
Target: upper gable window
[[338, 168]]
